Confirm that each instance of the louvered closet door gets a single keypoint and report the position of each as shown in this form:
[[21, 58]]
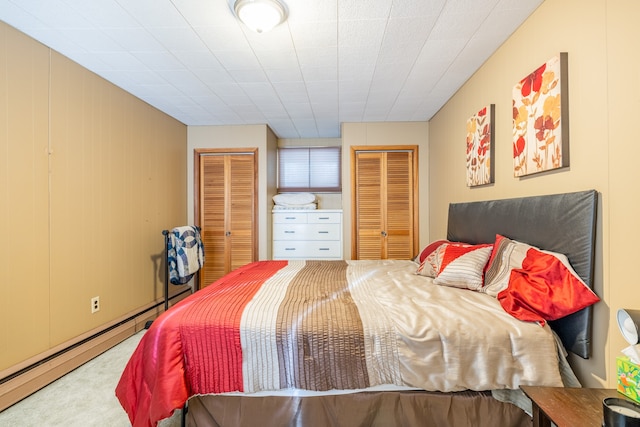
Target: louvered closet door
[[399, 205], [227, 213], [384, 205], [369, 209]]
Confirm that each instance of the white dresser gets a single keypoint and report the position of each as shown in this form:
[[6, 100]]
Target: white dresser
[[307, 234]]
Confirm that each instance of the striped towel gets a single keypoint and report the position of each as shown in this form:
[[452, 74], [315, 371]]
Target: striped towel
[[185, 254]]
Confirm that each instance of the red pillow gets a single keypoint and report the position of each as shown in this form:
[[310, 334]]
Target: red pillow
[[541, 285]]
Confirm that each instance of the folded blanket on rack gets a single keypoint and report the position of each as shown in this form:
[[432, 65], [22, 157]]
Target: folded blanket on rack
[[185, 254]]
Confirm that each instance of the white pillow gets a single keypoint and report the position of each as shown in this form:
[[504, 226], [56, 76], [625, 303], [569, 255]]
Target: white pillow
[[463, 266], [294, 198]]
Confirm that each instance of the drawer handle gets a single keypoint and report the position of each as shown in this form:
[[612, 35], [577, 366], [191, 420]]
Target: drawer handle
[[323, 232], [323, 217], [323, 249], [289, 232], [289, 249], [290, 217]]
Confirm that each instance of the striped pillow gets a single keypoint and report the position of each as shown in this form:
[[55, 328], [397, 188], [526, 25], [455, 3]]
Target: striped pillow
[[463, 266]]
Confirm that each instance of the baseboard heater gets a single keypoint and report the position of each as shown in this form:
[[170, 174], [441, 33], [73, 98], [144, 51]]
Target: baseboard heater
[[47, 367]]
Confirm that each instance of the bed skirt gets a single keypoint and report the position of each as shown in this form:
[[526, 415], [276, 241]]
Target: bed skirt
[[385, 408]]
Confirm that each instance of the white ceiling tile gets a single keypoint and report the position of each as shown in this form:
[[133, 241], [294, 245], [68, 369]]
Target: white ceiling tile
[[291, 74], [93, 40], [333, 61], [184, 39], [314, 34], [204, 12], [54, 14], [309, 57], [275, 112], [121, 60], [135, 39], [480, 7], [227, 38], [226, 90], [197, 60], [314, 74], [312, 10], [103, 13], [361, 33], [235, 60], [299, 110], [291, 92], [250, 76], [277, 59], [363, 10], [158, 60], [417, 8], [410, 31], [459, 26], [218, 79], [155, 13]]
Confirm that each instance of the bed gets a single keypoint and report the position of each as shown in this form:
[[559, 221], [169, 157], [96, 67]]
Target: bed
[[442, 341]]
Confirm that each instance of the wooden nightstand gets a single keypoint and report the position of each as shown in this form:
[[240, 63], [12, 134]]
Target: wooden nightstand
[[568, 407]]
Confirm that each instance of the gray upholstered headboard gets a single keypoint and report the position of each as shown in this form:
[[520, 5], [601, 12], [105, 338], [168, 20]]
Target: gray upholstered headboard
[[564, 223]]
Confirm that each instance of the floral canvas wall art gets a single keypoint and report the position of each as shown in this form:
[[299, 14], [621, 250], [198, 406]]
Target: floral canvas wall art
[[540, 119], [480, 137]]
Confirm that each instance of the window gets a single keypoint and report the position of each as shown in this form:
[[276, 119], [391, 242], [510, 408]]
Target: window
[[309, 169]]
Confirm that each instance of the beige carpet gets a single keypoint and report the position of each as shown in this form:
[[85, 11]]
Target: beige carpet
[[82, 398]]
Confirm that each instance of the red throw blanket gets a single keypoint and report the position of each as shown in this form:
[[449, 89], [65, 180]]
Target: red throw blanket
[[154, 381]]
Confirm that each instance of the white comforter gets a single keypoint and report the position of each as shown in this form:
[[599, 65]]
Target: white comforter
[[452, 339]]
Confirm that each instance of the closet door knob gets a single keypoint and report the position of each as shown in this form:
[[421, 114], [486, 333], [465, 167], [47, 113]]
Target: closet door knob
[[383, 233], [228, 233]]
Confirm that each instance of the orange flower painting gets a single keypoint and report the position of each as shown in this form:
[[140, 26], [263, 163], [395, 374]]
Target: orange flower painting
[[540, 119], [480, 131]]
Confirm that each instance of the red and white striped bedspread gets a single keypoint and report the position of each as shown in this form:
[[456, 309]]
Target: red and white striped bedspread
[[326, 325]]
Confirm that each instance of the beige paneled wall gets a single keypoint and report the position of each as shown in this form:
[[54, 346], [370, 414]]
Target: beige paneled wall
[[24, 252], [90, 177], [623, 202], [598, 36]]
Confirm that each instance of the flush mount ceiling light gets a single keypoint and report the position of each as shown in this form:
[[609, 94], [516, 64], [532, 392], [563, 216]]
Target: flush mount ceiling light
[[260, 15]]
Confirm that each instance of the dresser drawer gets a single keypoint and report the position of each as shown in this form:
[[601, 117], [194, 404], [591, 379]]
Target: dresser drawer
[[324, 217], [290, 218], [330, 249], [306, 231]]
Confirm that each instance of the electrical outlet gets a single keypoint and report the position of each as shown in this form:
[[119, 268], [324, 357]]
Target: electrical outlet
[[95, 304]]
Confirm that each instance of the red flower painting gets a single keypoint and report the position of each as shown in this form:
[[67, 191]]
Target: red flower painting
[[479, 145], [540, 142]]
